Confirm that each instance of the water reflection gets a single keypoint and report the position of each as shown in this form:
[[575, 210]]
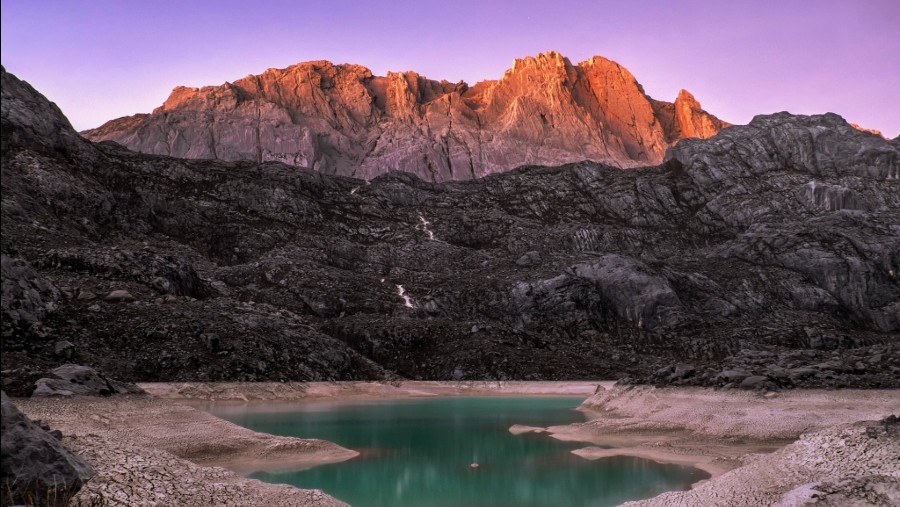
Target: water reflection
[[418, 453]]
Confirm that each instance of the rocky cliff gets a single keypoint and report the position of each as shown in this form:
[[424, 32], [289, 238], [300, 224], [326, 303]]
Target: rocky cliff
[[766, 255], [340, 119]]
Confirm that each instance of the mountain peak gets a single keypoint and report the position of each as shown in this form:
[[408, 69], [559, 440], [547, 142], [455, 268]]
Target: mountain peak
[[342, 119], [545, 58], [178, 96], [686, 97], [29, 118], [692, 120], [550, 63], [600, 61]]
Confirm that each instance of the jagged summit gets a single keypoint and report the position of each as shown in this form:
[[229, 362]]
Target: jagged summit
[[342, 119]]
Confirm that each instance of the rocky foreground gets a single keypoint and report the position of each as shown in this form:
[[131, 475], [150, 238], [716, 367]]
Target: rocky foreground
[[341, 119], [151, 451], [144, 451], [764, 257]]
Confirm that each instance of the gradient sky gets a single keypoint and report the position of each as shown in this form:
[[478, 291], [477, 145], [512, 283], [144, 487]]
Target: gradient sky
[[101, 59]]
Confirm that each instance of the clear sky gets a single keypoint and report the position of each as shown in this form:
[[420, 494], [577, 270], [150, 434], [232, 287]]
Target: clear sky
[[101, 59]]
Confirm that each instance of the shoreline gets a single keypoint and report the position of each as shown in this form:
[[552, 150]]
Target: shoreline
[[278, 392], [720, 432], [177, 428], [714, 431], [669, 447], [814, 438], [152, 451]]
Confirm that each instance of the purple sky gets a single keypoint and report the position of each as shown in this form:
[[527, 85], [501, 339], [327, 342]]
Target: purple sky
[[103, 59]]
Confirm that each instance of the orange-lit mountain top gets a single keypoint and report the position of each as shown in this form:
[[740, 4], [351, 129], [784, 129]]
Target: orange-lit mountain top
[[342, 119]]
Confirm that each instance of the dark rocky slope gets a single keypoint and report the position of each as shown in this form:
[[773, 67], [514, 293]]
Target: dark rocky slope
[[767, 255], [341, 119]]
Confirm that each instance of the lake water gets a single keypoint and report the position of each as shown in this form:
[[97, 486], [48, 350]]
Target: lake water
[[417, 453]]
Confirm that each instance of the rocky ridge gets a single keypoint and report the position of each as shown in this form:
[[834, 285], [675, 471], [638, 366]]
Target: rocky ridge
[[342, 119], [768, 247]]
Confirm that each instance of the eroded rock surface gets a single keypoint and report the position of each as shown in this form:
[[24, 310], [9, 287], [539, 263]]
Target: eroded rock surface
[[341, 119], [37, 469], [768, 250], [73, 379]]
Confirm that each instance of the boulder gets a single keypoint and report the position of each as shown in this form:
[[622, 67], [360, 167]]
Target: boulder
[[755, 382], [119, 296], [732, 376], [682, 371], [64, 348], [532, 258], [73, 379], [36, 468]]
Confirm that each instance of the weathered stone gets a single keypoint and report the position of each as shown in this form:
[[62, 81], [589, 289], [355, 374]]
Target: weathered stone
[[64, 349], [72, 379], [36, 468], [530, 258], [682, 371], [732, 376], [755, 382], [119, 296], [24, 293]]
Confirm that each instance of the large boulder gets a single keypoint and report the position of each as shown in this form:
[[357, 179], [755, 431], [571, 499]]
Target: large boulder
[[73, 379], [36, 468]]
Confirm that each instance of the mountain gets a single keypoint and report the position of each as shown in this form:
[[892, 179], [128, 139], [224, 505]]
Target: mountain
[[340, 119], [765, 255]]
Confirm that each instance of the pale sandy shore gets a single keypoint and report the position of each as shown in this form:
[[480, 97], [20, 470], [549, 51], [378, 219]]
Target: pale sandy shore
[[149, 451], [161, 450], [309, 391], [817, 435]]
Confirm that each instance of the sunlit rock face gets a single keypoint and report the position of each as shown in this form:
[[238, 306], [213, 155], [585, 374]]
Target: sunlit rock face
[[341, 119]]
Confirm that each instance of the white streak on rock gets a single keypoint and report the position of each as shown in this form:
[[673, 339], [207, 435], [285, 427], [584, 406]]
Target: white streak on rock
[[407, 301], [425, 225]]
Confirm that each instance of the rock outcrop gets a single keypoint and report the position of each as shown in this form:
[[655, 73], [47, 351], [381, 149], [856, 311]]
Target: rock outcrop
[[768, 250], [73, 379], [37, 469], [341, 119]]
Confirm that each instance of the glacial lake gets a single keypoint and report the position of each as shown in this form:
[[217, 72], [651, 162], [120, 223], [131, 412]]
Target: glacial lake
[[417, 453]]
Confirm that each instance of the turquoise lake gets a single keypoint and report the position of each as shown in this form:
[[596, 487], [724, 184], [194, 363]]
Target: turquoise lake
[[417, 453]]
